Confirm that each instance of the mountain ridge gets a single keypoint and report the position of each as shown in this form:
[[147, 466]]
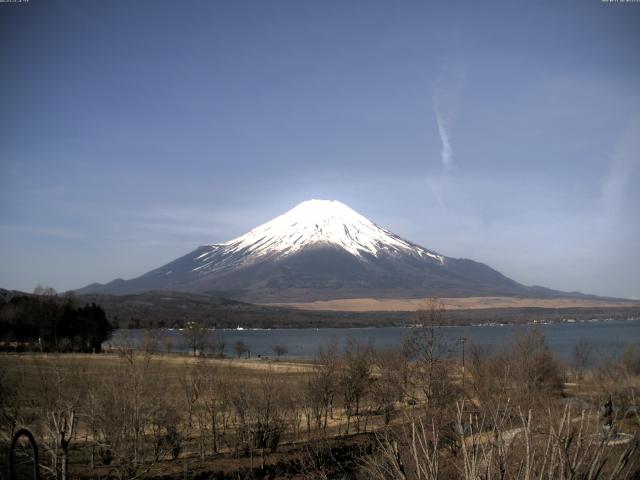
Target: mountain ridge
[[322, 250], [170, 309]]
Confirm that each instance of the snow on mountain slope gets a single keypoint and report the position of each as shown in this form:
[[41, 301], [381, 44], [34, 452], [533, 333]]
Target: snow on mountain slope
[[321, 250], [311, 223]]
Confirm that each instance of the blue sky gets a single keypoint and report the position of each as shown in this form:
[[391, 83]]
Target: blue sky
[[507, 132]]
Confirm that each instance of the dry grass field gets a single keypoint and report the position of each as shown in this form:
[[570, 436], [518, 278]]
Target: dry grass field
[[467, 303], [173, 397], [135, 414], [172, 366]]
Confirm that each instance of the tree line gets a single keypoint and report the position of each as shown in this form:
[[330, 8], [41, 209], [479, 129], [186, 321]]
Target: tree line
[[46, 322]]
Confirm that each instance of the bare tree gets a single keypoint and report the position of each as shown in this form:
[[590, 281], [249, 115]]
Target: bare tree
[[196, 337], [260, 415], [280, 350], [389, 385], [164, 426], [430, 351], [167, 342], [61, 391], [327, 369], [192, 382], [321, 385], [149, 342], [218, 343], [414, 454], [126, 405], [524, 371], [216, 401], [270, 407], [45, 291], [355, 378], [582, 358], [536, 373], [504, 444], [240, 348]]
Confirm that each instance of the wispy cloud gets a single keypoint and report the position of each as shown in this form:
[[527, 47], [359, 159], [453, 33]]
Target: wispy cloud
[[58, 232], [188, 225], [623, 167], [446, 153], [436, 185], [446, 93]]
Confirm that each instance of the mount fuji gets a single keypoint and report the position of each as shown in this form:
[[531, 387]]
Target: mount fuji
[[322, 250]]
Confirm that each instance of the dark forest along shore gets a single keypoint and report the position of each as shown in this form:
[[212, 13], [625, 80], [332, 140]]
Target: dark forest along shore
[[606, 338]]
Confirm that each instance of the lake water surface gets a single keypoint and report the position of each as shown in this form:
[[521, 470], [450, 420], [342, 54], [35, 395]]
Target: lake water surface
[[608, 338]]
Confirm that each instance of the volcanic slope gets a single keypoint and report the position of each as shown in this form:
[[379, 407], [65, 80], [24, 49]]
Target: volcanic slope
[[322, 250]]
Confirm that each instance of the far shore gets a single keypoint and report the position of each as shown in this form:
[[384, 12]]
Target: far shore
[[465, 303]]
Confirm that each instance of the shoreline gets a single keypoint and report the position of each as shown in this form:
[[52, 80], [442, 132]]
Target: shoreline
[[409, 326]]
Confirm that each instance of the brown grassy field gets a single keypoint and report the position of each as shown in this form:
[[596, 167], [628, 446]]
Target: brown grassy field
[[468, 303], [169, 380], [28, 367], [147, 415]]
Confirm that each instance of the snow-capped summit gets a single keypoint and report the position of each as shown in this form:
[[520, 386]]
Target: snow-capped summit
[[320, 249], [318, 222]]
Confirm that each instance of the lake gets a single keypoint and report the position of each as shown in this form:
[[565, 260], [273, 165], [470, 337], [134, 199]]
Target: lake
[[608, 338]]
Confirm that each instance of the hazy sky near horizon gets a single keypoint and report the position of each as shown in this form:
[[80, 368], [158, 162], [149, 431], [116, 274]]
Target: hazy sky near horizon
[[506, 132]]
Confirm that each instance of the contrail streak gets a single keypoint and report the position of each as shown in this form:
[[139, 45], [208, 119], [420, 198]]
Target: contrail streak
[[446, 153], [446, 90]]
